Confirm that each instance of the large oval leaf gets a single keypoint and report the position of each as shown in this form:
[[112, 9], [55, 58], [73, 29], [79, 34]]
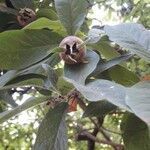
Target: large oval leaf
[[105, 49], [103, 89], [71, 13], [36, 75], [138, 99], [52, 131], [98, 109], [136, 135], [41, 23], [79, 72], [131, 36], [41, 76], [135, 99], [102, 66], [123, 76], [48, 13], [25, 47]]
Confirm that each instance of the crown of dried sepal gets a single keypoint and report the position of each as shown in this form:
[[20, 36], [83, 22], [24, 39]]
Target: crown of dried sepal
[[74, 50], [26, 16]]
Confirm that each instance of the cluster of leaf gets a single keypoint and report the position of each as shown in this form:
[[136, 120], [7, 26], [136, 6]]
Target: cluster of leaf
[[30, 57]]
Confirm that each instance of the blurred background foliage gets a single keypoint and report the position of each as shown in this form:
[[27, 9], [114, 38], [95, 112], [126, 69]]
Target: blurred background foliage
[[19, 133]]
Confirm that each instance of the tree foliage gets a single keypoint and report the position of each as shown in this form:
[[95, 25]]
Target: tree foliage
[[107, 87]]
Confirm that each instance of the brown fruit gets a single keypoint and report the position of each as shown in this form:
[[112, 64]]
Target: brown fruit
[[74, 50], [26, 16]]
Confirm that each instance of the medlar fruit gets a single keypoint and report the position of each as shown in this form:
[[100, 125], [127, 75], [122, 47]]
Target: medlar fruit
[[26, 16], [74, 50]]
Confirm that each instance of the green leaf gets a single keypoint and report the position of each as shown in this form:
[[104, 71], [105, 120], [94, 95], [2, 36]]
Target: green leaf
[[22, 3], [26, 105], [25, 47], [30, 79], [7, 77], [45, 3], [52, 131], [131, 36], [52, 78], [53, 60], [134, 99], [7, 97], [94, 35], [61, 142], [104, 89], [63, 86], [35, 75], [138, 99], [41, 23], [30, 76], [47, 13], [79, 72], [123, 76], [45, 82], [136, 135], [103, 46], [71, 13], [102, 66], [98, 109], [5, 18]]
